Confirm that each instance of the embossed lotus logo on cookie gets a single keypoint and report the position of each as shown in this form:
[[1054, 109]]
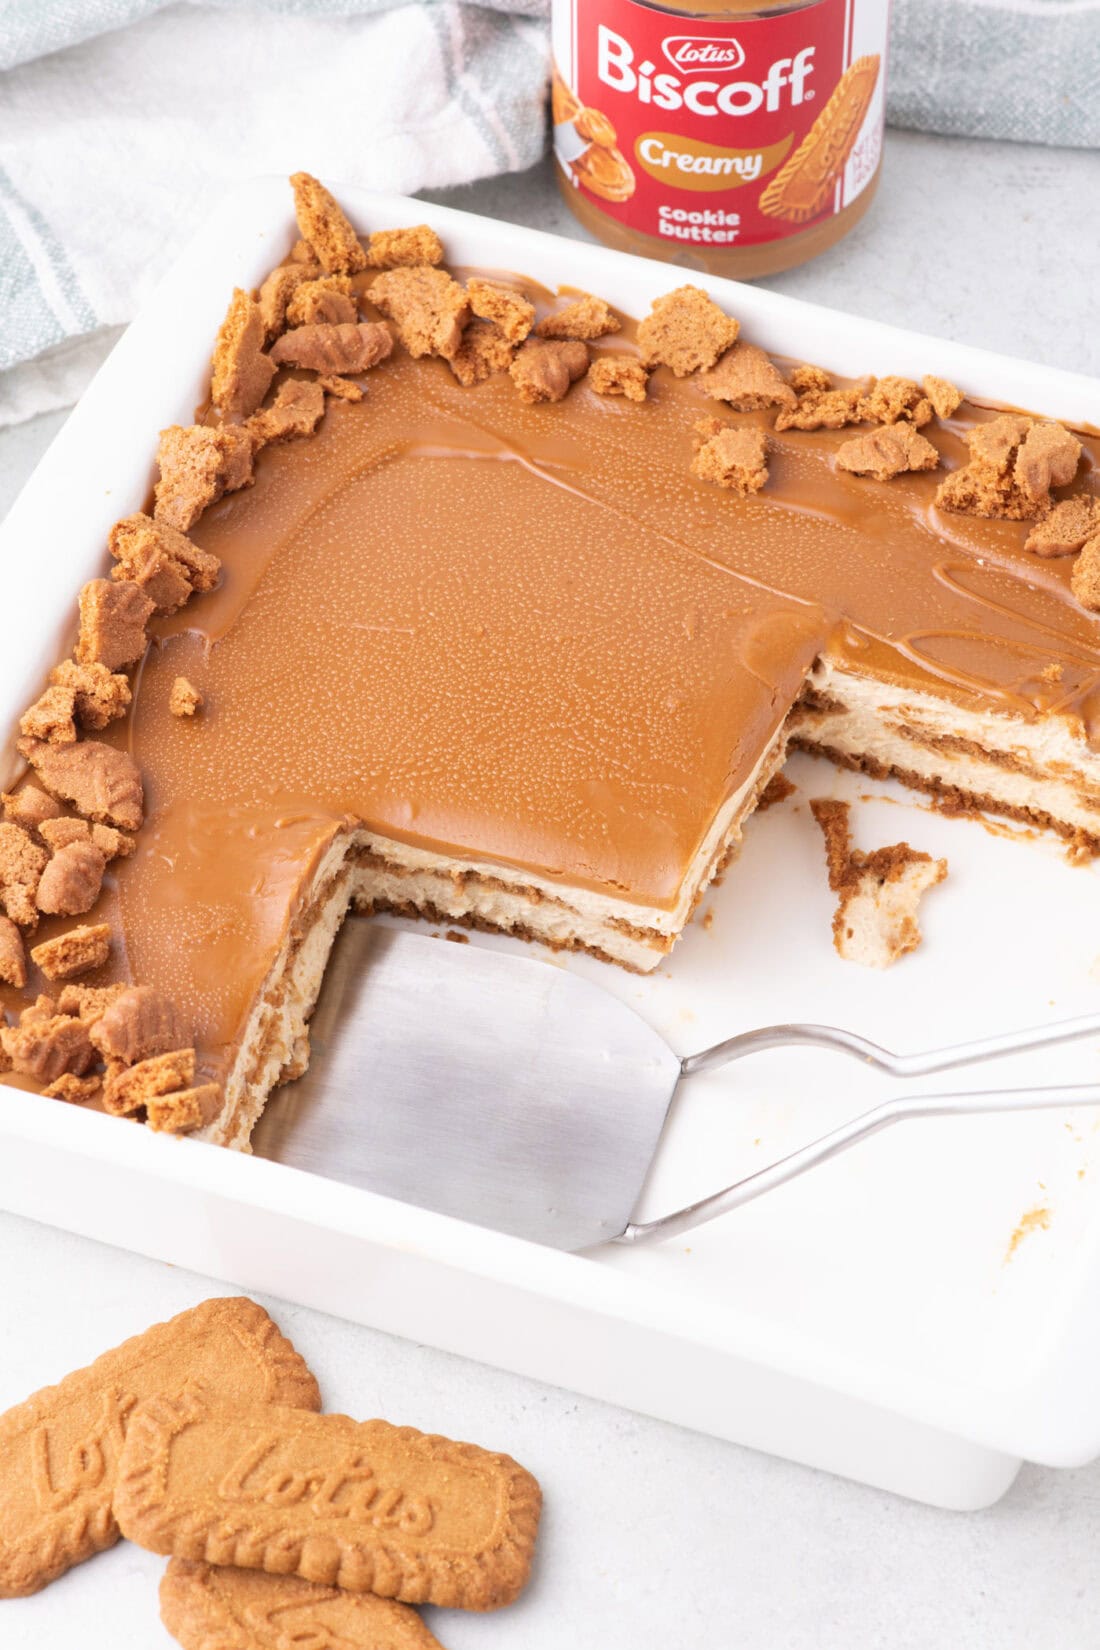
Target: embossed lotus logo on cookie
[[695, 53]]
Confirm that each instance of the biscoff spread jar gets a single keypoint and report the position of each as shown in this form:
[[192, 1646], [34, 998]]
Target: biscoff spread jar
[[740, 138]]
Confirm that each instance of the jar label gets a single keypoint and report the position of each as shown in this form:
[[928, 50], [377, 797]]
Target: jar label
[[719, 132]]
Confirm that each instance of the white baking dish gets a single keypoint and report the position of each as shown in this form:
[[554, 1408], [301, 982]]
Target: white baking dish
[[869, 1319]]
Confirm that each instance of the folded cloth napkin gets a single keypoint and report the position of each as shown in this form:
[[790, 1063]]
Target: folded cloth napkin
[[1028, 70], [114, 139], [119, 119]]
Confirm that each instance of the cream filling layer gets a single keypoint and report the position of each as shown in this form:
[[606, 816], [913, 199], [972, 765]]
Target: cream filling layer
[[1057, 776]]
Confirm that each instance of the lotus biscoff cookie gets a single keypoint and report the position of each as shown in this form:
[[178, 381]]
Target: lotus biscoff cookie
[[59, 1451], [361, 1505], [207, 1607]]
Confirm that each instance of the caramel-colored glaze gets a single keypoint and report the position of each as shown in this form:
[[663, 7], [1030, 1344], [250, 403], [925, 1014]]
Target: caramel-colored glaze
[[528, 636]]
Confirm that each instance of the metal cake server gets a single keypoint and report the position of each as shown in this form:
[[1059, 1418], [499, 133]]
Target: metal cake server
[[518, 1096]]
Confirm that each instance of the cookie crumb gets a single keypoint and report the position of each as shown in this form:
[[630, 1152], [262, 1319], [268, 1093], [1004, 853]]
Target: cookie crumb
[[296, 411], [185, 698], [75, 952], [483, 351], [747, 379], [891, 451], [875, 922], [511, 311], [585, 319], [1014, 462], [325, 227], [198, 464], [1069, 525], [347, 346], [685, 331], [404, 248], [543, 371], [618, 375], [242, 373], [328, 300], [943, 395], [730, 457], [427, 307]]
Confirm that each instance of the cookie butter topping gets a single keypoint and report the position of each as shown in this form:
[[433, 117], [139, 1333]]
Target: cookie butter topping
[[519, 631]]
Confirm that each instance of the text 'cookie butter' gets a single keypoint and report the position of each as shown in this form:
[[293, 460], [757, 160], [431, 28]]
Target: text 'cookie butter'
[[740, 137]]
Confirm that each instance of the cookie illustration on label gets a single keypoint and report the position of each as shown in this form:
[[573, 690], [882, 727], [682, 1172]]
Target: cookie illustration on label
[[361, 1505], [204, 1607], [59, 1451], [801, 188]]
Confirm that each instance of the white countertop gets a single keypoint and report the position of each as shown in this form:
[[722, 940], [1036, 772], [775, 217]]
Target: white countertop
[[655, 1538]]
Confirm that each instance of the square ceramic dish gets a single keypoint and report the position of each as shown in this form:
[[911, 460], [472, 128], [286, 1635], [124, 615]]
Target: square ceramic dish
[[887, 1317]]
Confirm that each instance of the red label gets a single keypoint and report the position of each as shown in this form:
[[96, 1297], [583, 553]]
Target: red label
[[720, 133]]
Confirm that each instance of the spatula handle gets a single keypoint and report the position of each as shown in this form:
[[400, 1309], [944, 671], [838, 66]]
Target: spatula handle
[[850, 1134], [882, 1059]]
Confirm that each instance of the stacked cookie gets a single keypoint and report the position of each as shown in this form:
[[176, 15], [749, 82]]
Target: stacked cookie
[[201, 1439]]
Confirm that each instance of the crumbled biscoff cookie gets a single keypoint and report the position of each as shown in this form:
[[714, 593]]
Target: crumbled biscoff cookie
[[543, 371], [77, 1091], [1085, 578], [1065, 530], [112, 623], [70, 884], [198, 464], [326, 301], [891, 399], [165, 563], [348, 346], [58, 833], [1048, 457], [618, 375], [297, 409], [29, 807], [101, 782], [159, 576], [825, 409], [129, 1087], [112, 844], [302, 255], [88, 1002], [809, 380], [586, 318], [140, 1023], [184, 1110], [945, 398], [51, 717], [276, 292], [344, 389], [99, 695], [1013, 464], [75, 952], [685, 331], [730, 457], [404, 248], [483, 351], [22, 862], [510, 310], [185, 698], [46, 1046], [427, 307], [747, 378], [242, 373], [887, 452], [875, 922], [323, 224], [13, 958]]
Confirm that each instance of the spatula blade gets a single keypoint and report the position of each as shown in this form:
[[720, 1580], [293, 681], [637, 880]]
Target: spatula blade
[[496, 1088]]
